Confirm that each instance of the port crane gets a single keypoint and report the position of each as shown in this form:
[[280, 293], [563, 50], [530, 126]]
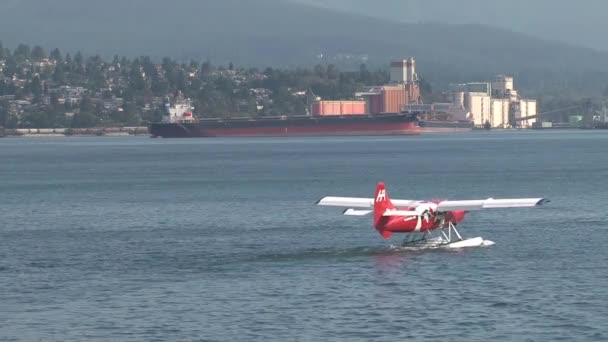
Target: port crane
[[516, 120]]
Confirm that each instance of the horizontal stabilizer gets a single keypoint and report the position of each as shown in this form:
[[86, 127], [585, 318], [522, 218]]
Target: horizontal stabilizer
[[352, 202], [490, 204], [355, 212], [359, 202]]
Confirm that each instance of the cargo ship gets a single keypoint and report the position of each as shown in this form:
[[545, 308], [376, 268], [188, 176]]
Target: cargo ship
[[443, 126], [377, 111], [440, 117], [180, 122]]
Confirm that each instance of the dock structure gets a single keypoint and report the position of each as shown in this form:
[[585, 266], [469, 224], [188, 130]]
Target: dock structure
[[62, 132]]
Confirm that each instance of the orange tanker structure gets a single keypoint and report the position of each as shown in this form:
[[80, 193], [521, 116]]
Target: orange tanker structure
[[390, 98], [338, 108]]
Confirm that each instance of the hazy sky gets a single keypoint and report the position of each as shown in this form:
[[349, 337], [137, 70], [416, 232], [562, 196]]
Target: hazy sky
[[578, 22]]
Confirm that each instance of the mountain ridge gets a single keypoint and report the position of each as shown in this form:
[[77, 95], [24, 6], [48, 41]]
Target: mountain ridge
[[568, 22], [282, 34]]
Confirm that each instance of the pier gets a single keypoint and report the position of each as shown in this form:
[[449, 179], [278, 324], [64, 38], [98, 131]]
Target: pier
[[63, 132]]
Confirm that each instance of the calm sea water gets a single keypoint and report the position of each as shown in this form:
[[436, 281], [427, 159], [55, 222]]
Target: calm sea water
[[136, 239]]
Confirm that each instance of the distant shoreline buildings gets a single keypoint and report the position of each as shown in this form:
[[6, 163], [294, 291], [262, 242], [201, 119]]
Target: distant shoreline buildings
[[402, 89], [496, 104], [40, 91]]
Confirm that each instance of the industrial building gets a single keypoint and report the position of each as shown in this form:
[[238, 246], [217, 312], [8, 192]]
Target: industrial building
[[403, 89], [496, 103]]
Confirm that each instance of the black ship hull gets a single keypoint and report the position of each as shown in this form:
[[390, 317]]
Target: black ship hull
[[385, 124]]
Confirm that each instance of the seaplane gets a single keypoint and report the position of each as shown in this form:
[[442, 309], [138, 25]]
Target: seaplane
[[427, 224]]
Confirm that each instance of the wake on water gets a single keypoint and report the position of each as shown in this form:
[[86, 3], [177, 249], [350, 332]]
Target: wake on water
[[354, 252]]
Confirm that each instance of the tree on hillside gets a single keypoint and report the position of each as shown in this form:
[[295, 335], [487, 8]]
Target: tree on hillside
[[69, 63], [38, 53], [59, 74], [332, 72], [41, 118], [84, 119], [22, 52], [56, 55], [95, 73], [137, 82], [130, 116], [35, 87], [78, 64], [3, 114], [181, 82], [206, 69], [10, 67], [364, 74]]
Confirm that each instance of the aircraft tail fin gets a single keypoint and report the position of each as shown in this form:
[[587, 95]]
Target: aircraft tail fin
[[382, 202]]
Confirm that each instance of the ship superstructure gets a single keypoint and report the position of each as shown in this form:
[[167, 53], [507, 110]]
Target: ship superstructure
[[180, 110]]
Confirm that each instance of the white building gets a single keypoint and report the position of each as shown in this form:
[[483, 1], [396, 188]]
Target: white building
[[496, 103], [500, 113], [527, 108], [479, 107], [404, 71]]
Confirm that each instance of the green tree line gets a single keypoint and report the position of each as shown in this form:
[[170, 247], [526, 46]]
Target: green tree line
[[216, 91]]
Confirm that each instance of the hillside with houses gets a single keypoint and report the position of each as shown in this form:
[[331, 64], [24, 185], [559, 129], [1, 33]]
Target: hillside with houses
[[50, 89]]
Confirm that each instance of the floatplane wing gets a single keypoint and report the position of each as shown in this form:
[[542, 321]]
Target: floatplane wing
[[444, 206], [490, 203]]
